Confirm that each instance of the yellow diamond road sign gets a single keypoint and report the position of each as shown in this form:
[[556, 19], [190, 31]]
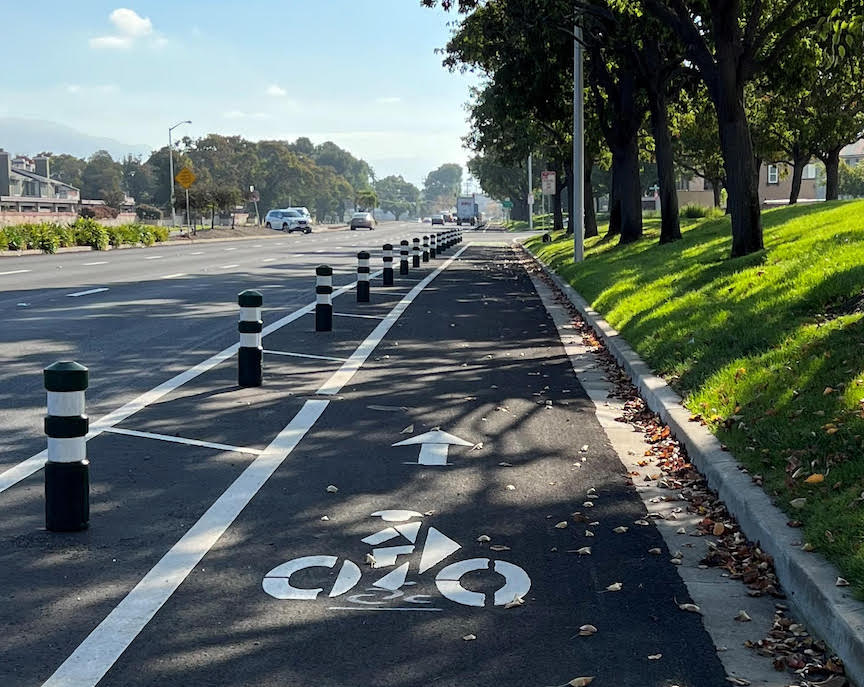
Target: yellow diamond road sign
[[185, 177]]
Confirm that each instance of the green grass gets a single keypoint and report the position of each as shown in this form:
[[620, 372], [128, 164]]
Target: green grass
[[768, 349]]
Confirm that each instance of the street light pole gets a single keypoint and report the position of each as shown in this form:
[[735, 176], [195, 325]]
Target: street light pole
[[578, 206], [171, 168], [530, 196]]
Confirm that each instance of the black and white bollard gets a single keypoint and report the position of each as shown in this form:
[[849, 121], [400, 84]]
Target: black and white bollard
[[362, 277], [415, 261], [403, 257], [250, 354], [425, 249], [432, 245], [387, 277], [67, 471], [324, 298]]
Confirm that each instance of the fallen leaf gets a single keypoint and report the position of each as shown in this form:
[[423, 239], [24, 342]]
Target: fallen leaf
[[370, 560], [517, 601], [655, 657], [332, 490], [808, 547], [324, 518], [690, 608], [676, 561], [828, 390], [587, 630], [588, 504], [738, 681], [510, 487], [589, 533], [655, 552], [499, 547], [743, 617], [719, 529], [681, 530], [469, 637], [798, 503], [484, 538], [561, 525], [584, 449], [477, 446], [842, 582], [584, 551], [642, 523], [505, 465], [815, 478], [614, 587], [620, 530], [580, 681]]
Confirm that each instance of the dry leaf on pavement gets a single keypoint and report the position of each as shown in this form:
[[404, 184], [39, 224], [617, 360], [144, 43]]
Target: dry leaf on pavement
[[332, 490], [408, 430], [561, 525], [484, 538], [614, 587], [469, 637], [587, 630]]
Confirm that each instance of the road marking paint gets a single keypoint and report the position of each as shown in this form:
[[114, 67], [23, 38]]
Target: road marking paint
[[378, 608], [85, 293], [182, 440], [344, 374], [174, 276], [227, 267], [229, 249], [365, 317], [270, 259], [257, 245], [434, 446], [14, 272], [154, 257], [94, 657], [306, 355], [197, 252], [34, 463], [271, 286], [99, 262]]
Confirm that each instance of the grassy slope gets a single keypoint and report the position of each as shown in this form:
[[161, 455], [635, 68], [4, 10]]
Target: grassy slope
[[768, 349]]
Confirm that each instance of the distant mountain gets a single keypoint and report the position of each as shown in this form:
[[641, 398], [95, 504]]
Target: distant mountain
[[32, 136]]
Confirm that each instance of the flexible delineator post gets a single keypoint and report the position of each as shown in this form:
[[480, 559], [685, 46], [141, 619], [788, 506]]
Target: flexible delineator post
[[250, 354]]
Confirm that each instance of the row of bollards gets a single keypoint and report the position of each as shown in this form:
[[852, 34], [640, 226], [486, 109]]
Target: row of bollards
[[67, 470]]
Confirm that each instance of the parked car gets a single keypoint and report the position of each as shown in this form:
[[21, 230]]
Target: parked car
[[438, 219], [287, 220], [304, 212], [362, 219], [447, 218]]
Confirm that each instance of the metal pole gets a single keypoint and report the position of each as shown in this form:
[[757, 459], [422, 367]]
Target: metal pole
[[171, 180], [530, 204], [578, 208], [188, 215]]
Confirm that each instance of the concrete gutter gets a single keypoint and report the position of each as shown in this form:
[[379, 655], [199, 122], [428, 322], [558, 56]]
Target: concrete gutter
[[830, 612]]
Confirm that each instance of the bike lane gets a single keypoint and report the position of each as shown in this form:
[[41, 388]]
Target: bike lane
[[532, 483]]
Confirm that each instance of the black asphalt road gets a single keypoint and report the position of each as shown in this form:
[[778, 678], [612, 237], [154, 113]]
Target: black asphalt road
[[166, 308], [475, 355]]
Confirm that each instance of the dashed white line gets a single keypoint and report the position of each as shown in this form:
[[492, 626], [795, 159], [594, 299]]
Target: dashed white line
[[14, 272], [85, 293], [227, 267], [269, 259], [154, 257], [174, 276], [197, 252], [229, 249], [100, 262], [183, 440]]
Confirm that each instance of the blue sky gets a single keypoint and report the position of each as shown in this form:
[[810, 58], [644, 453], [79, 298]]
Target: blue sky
[[362, 73]]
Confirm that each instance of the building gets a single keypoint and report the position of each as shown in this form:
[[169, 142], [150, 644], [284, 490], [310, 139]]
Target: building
[[775, 184], [26, 186]]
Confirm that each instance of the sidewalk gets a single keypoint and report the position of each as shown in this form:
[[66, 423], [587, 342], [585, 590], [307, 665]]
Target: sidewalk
[[496, 531]]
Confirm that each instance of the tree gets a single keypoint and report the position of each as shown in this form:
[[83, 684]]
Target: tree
[[444, 181], [137, 178], [368, 199], [396, 195], [102, 179], [67, 168], [502, 181], [696, 143]]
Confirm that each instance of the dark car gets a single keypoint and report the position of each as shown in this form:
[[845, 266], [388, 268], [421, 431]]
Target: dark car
[[438, 219]]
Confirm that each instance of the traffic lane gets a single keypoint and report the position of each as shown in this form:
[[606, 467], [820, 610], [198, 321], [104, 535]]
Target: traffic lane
[[221, 627], [132, 338]]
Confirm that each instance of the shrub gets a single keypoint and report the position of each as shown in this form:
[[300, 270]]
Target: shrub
[[88, 232], [693, 211], [161, 233], [14, 238], [148, 212], [98, 212]]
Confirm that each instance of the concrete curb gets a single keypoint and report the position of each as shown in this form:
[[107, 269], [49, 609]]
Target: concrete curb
[[830, 612]]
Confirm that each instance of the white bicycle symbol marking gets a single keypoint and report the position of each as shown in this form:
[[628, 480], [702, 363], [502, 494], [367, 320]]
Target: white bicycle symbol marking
[[436, 548]]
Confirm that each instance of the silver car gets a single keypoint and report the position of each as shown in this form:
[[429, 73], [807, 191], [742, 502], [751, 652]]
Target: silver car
[[287, 220], [362, 219]]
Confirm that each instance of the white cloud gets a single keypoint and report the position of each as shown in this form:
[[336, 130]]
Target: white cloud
[[389, 100], [75, 89], [276, 91], [129, 27], [239, 114], [130, 23]]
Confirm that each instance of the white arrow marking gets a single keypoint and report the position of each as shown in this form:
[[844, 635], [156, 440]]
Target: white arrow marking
[[434, 446]]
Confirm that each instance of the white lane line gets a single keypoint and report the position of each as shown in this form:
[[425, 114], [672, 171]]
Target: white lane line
[[99, 262], [344, 374], [227, 267], [257, 245], [271, 286], [100, 650], [270, 259], [364, 317], [154, 257], [85, 293], [229, 249], [33, 464], [14, 272], [197, 252], [182, 440], [373, 608], [174, 276], [306, 355]]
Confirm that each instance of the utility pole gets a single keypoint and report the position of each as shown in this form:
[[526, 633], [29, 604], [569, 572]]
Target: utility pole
[[578, 206], [530, 197], [171, 169]]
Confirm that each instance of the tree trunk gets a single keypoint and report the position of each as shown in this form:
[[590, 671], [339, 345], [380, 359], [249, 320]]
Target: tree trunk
[[715, 189], [588, 201], [614, 208], [742, 183], [560, 185], [799, 161], [670, 225], [832, 173], [628, 189]]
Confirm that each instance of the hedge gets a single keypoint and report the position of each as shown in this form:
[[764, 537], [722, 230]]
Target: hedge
[[48, 237]]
